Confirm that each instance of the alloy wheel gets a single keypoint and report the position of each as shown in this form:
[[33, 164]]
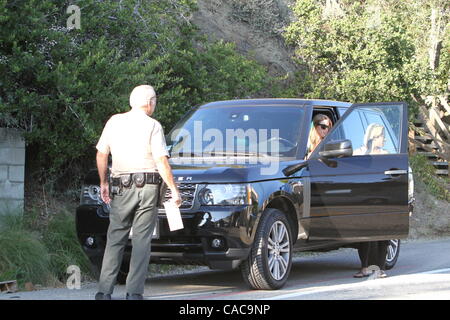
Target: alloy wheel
[[278, 250], [392, 250]]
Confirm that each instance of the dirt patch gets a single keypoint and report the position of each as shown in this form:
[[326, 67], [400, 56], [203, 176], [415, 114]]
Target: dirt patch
[[214, 19], [431, 217]]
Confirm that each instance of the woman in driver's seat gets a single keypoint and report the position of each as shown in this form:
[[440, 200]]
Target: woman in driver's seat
[[321, 126]]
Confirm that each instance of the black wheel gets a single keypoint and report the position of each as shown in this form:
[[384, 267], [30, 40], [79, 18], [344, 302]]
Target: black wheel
[[393, 251], [270, 258]]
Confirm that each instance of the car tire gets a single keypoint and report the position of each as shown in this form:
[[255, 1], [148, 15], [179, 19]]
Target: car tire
[[393, 251], [269, 262]]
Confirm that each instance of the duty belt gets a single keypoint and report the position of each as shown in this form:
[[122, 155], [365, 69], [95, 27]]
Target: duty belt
[[139, 179]]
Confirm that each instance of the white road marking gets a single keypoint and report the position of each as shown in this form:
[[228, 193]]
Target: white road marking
[[368, 284], [436, 271], [180, 295]]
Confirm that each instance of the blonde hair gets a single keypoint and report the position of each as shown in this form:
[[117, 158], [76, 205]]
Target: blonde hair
[[373, 130], [141, 95]]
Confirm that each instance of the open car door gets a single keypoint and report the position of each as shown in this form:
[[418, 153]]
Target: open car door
[[362, 193]]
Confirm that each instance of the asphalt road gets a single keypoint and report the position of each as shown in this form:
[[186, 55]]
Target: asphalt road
[[422, 272]]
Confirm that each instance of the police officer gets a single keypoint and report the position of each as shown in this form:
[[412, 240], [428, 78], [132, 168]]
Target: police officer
[[139, 159]]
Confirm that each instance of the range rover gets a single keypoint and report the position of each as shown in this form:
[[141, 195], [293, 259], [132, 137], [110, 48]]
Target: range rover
[[250, 198]]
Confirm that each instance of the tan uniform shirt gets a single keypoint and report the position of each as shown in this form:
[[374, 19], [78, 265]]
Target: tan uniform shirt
[[135, 140]]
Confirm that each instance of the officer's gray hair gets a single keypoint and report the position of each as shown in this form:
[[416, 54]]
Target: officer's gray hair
[[141, 95]]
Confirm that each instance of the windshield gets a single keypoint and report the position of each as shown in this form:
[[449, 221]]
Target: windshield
[[237, 131]]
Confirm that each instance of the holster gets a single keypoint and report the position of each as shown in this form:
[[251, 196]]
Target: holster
[[125, 180], [139, 179], [115, 187], [162, 193]]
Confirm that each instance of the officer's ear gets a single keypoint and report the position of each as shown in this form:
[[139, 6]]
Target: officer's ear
[[149, 108], [152, 105]]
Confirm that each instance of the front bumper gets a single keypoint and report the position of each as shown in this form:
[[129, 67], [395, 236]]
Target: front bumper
[[232, 226]]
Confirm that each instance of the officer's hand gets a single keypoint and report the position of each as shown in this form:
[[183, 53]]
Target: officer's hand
[[176, 198], [104, 193]]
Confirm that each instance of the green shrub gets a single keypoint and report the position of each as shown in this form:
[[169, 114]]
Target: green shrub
[[39, 251], [63, 247], [60, 86], [369, 51], [264, 16], [23, 256]]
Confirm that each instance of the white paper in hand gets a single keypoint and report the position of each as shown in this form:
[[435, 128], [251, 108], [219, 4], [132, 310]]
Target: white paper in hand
[[173, 216]]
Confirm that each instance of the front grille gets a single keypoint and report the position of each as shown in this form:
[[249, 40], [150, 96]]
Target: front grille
[[187, 193]]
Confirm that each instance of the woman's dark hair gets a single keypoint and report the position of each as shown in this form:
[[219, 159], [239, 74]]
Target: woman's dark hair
[[318, 118], [314, 138]]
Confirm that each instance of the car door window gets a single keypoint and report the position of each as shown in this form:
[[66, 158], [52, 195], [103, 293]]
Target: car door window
[[372, 130], [353, 129], [391, 142]]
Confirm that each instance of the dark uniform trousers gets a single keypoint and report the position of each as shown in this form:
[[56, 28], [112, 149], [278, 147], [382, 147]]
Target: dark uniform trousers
[[137, 208]]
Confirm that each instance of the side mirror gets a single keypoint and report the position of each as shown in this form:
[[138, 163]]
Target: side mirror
[[337, 149]]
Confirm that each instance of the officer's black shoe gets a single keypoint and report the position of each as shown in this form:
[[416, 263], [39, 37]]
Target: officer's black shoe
[[135, 296], [102, 296]]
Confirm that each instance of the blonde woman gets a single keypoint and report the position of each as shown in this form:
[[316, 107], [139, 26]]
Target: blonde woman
[[321, 126], [374, 139]]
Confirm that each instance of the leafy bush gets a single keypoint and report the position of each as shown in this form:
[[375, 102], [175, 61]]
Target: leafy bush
[[61, 85], [63, 246], [368, 51], [23, 256], [39, 251], [264, 16]]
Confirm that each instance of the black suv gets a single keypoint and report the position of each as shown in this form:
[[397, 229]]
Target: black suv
[[250, 199]]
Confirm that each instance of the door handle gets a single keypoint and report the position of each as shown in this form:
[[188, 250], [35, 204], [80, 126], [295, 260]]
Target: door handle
[[395, 172]]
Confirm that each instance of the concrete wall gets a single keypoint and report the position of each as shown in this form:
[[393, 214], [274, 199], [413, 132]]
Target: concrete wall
[[12, 170]]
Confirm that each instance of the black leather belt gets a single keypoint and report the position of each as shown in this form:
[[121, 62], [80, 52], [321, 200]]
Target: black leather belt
[[139, 179]]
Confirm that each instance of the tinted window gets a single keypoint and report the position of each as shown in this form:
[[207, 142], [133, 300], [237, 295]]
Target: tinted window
[[372, 130], [353, 129], [372, 117]]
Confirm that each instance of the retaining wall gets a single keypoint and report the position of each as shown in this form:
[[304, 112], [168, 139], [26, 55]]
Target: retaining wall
[[12, 171]]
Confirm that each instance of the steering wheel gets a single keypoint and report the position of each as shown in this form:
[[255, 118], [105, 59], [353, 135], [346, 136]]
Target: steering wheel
[[284, 141]]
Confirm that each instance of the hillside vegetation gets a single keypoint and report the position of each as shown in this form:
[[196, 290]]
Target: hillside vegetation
[[60, 85]]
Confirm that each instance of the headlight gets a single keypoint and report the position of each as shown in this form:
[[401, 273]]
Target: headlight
[[90, 195], [224, 195]]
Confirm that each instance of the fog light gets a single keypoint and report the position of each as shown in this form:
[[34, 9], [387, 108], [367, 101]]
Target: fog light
[[217, 243], [90, 241]]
